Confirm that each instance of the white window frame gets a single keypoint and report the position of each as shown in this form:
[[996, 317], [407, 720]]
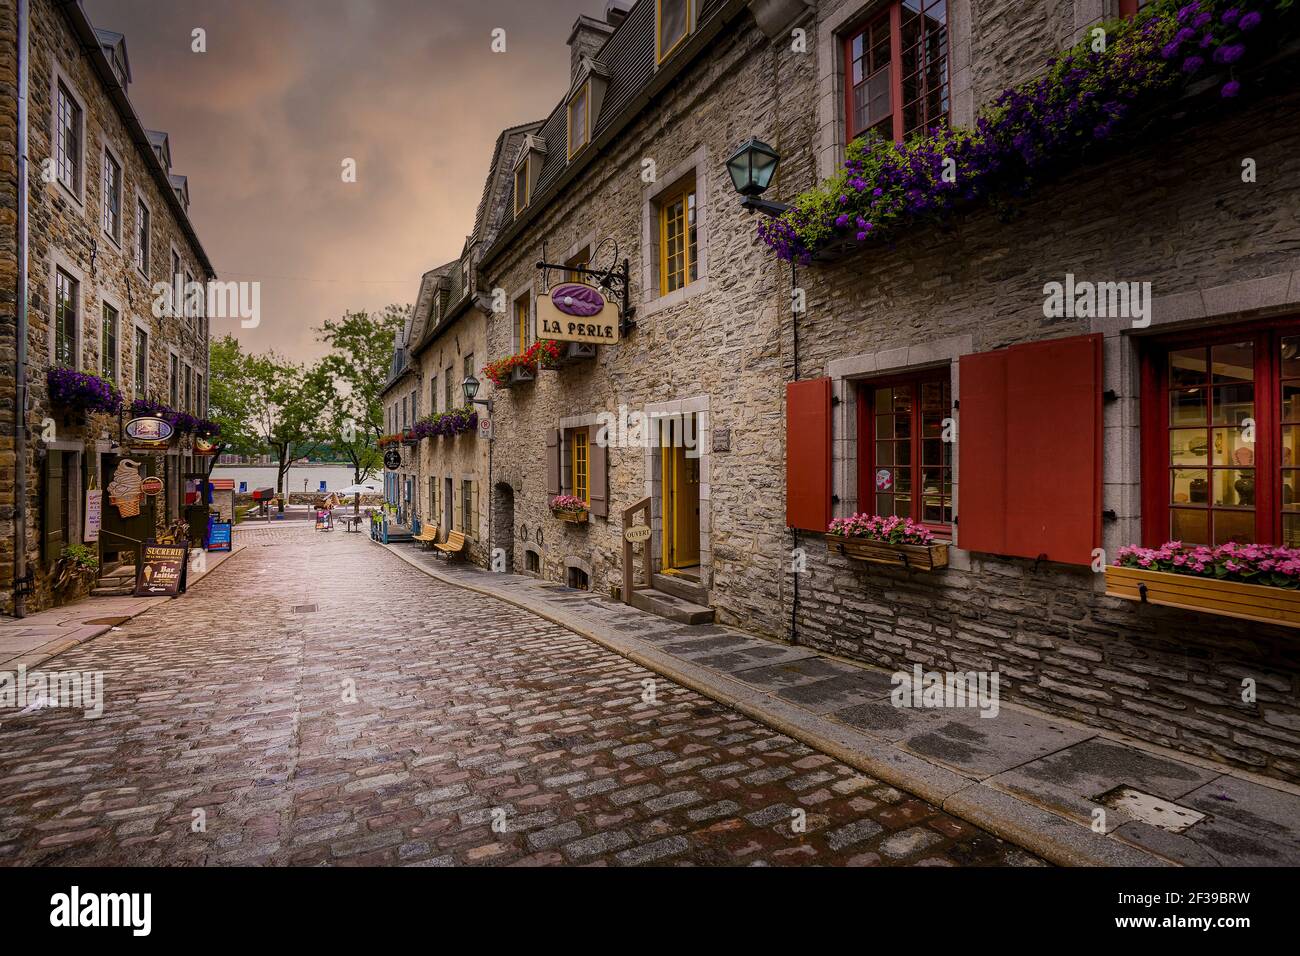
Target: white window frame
[[138, 326], [173, 356], [108, 300], [59, 262], [107, 153], [142, 200], [59, 77]]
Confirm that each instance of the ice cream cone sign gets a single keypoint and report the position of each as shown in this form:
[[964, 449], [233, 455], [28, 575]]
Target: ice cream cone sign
[[127, 488]]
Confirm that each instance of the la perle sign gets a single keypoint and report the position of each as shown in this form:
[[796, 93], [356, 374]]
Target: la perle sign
[[574, 312]]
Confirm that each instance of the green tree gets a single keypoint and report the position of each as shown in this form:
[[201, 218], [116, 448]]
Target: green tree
[[230, 400], [357, 365], [288, 401]]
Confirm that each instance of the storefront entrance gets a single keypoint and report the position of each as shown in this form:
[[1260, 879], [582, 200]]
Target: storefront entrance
[[681, 498]]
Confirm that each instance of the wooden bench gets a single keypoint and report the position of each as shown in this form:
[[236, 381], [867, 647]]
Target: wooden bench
[[428, 535], [454, 545]]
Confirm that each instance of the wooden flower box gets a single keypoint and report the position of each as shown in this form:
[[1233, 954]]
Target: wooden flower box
[[575, 352], [915, 557], [520, 374], [1249, 602], [572, 516]]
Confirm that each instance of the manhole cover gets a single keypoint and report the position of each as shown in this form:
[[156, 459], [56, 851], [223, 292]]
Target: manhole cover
[[1151, 809], [304, 609], [110, 621]]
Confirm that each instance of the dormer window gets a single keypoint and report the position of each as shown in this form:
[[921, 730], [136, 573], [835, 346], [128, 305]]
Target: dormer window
[[674, 25], [521, 186], [579, 119]]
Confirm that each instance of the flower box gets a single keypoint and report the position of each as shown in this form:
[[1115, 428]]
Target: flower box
[[573, 516], [915, 557], [1261, 603], [520, 374]]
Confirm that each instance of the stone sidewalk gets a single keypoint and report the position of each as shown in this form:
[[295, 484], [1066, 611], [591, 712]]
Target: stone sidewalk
[[1032, 779], [33, 640]]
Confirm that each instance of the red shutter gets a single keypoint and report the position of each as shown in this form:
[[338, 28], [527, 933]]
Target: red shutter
[[1030, 481], [808, 454]]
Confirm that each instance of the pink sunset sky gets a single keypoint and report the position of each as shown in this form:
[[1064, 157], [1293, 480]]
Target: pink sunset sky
[[288, 89]]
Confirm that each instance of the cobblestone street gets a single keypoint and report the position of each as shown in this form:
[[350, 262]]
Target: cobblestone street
[[321, 702]]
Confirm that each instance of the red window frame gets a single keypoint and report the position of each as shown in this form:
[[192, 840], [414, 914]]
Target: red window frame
[[866, 398], [1268, 460], [890, 17], [1130, 8]]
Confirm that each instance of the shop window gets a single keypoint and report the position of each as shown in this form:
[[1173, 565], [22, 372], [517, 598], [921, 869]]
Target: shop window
[[905, 464], [678, 259], [579, 580], [1221, 438], [896, 70], [674, 25]]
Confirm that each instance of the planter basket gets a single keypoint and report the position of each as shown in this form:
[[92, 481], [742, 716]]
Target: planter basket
[[1249, 602], [915, 557], [520, 374], [573, 517], [575, 352]]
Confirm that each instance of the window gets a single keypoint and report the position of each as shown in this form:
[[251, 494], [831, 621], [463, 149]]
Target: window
[[433, 500], [108, 343], [191, 308], [174, 380], [189, 389], [177, 308], [448, 396], [405, 410], [521, 186], [141, 362], [678, 265], [896, 70], [468, 506], [581, 261], [523, 307], [905, 465], [433, 393], [578, 579], [199, 397], [67, 142], [142, 236], [66, 294], [1222, 439], [579, 120], [580, 463], [112, 197], [532, 562], [415, 404], [674, 25]]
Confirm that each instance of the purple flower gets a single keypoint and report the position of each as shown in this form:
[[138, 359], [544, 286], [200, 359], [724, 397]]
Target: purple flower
[[1185, 34], [1201, 20], [1230, 53], [842, 220], [1230, 16], [1192, 64], [1249, 21], [1230, 89], [1170, 49]]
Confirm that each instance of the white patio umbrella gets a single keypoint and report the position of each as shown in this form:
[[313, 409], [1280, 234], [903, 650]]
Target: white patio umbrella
[[357, 490]]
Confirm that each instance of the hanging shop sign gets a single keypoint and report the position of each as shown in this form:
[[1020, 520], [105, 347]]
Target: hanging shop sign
[[392, 459], [574, 312], [152, 486], [94, 514], [637, 533], [161, 570], [204, 447], [126, 490], [148, 433]]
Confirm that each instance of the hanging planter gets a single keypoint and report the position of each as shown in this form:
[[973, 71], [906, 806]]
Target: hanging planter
[[575, 352], [570, 508], [80, 391], [898, 542]]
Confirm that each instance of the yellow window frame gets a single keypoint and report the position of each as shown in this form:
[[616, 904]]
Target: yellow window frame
[[585, 93], [523, 308], [522, 169], [581, 459], [660, 53], [581, 261], [689, 249]]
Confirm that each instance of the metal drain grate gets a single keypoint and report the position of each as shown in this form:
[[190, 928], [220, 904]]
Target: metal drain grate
[[304, 609]]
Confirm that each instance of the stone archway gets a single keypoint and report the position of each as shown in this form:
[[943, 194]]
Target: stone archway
[[503, 522]]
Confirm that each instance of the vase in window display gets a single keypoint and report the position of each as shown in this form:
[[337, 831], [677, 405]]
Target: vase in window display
[[1245, 490], [1199, 490]]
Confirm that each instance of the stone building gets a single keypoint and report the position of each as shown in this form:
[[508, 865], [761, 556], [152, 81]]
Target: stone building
[[941, 337], [107, 220], [445, 470]]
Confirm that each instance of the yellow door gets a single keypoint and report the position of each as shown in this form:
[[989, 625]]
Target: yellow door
[[681, 502]]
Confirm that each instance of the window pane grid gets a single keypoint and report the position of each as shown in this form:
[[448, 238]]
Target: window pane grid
[[908, 446], [65, 320]]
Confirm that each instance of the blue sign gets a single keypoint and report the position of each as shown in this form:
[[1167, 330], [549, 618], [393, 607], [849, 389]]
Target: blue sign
[[219, 536], [243, 487], [322, 486]]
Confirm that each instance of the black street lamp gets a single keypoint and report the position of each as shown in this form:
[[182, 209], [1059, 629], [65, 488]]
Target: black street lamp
[[751, 168], [470, 387]]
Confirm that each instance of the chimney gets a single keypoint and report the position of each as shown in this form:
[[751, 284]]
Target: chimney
[[616, 11], [588, 36]]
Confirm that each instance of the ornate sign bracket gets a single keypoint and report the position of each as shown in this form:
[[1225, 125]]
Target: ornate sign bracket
[[616, 281]]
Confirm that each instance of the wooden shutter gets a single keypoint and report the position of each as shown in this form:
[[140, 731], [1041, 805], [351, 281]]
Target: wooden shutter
[[553, 461], [474, 522], [1031, 436], [598, 478], [457, 514], [52, 529], [808, 454]]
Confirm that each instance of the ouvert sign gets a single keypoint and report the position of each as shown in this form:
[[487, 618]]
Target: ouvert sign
[[576, 313]]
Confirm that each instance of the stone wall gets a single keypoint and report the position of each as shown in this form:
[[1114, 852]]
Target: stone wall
[[8, 286], [65, 230]]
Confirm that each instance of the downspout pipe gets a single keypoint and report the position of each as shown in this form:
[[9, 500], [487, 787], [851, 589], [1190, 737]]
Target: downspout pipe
[[20, 326], [794, 323]]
